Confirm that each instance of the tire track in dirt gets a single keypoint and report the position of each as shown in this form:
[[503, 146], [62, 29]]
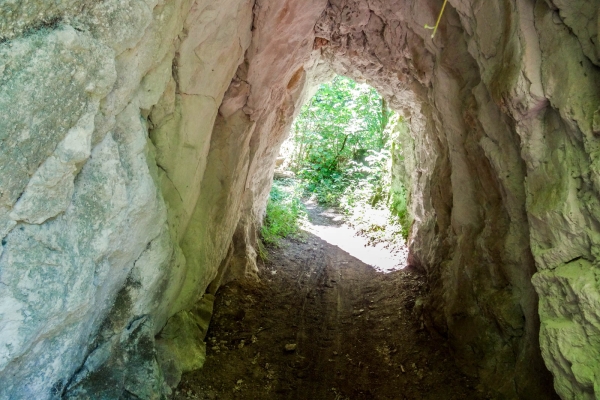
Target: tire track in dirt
[[356, 332]]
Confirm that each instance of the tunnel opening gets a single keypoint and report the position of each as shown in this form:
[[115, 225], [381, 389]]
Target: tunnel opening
[[330, 316], [337, 162], [320, 321]]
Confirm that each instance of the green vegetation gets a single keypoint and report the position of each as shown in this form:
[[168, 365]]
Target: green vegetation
[[342, 126], [284, 212], [339, 149]]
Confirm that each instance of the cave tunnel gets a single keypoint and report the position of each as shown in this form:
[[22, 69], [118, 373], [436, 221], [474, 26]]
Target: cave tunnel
[[137, 146]]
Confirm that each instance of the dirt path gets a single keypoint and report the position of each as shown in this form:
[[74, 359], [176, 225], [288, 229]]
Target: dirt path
[[352, 333]]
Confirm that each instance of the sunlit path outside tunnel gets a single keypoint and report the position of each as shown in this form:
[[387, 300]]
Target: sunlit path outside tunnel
[[331, 227]]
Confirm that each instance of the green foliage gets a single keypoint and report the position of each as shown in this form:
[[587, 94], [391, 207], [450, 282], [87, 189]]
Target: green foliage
[[340, 149], [262, 251], [284, 213], [333, 136], [399, 207]]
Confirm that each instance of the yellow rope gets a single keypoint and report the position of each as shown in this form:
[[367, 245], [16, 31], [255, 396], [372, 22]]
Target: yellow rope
[[438, 21]]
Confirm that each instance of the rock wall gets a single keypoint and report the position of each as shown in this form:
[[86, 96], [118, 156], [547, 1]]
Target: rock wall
[[137, 145], [470, 231], [93, 209], [122, 185], [501, 108]]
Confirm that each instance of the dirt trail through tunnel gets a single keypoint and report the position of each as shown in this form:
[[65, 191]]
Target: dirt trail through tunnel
[[355, 330]]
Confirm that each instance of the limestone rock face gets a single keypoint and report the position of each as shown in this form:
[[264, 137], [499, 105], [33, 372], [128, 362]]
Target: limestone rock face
[[87, 247], [138, 140]]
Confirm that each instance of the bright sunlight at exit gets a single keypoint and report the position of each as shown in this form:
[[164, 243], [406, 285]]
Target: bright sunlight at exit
[[339, 176]]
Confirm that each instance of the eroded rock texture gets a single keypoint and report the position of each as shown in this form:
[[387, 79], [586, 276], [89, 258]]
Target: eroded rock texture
[[465, 174], [137, 145]]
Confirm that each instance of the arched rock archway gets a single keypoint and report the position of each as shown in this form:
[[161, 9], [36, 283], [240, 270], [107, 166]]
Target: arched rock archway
[[138, 149]]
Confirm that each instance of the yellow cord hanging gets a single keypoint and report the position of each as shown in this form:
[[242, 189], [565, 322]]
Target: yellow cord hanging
[[438, 21]]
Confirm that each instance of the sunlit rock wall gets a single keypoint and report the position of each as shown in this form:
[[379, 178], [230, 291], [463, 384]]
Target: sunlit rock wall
[[137, 144], [93, 209]]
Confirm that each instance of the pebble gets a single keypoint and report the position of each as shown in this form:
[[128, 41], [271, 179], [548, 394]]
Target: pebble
[[291, 347]]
